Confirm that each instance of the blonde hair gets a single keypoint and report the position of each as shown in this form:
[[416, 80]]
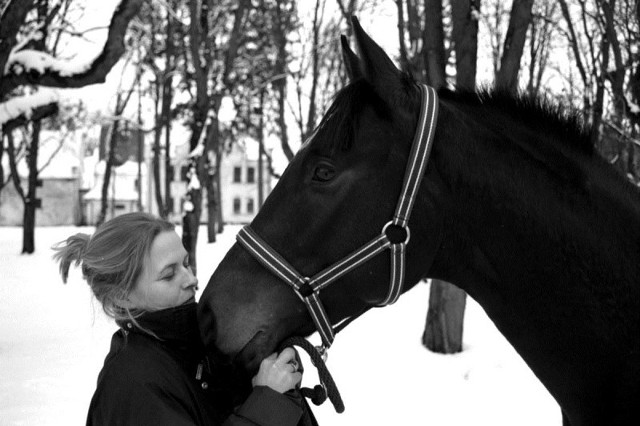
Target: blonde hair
[[112, 259]]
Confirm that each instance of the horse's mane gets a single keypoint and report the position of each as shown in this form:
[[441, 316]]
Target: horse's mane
[[537, 111], [337, 128]]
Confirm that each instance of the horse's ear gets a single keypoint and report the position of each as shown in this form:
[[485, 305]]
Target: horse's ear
[[350, 59], [377, 67]]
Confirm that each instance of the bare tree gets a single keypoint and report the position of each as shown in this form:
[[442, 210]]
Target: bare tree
[[122, 99], [465, 16], [602, 36], [435, 59], [211, 64], [507, 77], [540, 36], [165, 34], [19, 43]]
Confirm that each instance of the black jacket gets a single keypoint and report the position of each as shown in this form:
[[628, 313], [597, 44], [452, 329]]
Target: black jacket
[[165, 380]]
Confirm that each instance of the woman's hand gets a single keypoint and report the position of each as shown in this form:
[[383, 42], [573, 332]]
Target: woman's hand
[[279, 372]]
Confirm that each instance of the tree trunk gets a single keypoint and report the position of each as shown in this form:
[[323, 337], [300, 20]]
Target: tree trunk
[[190, 225], [220, 218], [167, 99], [519, 21], [443, 333], [616, 77], [598, 104], [192, 209], [261, 151], [191, 215], [404, 59], [31, 201], [2, 181], [433, 45], [280, 82], [210, 173], [157, 136], [465, 39], [577, 56], [111, 159]]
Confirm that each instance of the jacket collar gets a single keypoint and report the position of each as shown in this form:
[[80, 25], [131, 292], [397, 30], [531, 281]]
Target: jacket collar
[[177, 325]]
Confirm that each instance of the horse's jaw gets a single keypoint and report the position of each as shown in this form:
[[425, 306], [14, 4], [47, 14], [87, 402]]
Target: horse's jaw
[[245, 312], [252, 354]]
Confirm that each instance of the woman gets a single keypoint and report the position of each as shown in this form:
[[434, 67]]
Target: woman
[[156, 372]]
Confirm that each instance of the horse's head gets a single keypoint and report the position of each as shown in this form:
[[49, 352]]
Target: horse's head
[[336, 194]]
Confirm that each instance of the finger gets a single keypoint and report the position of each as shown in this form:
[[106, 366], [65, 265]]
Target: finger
[[286, 356]]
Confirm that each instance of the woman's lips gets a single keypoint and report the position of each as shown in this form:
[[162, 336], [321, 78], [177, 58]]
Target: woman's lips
[[192, 299]]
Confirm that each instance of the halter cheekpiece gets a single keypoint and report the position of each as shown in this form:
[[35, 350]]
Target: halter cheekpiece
[[394, 236]]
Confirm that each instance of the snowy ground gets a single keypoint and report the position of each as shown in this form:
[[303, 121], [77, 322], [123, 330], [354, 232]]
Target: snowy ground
[[53, 339]]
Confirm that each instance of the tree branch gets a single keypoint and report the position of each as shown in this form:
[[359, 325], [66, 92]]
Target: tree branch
[[96, 73], [14, 15], [36, 114]]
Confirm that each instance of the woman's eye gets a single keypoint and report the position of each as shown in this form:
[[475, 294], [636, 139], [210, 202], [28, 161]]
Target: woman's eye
[[323, 173], [169, 275]]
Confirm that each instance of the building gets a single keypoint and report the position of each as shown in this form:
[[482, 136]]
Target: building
[[58, 189], [122, 195], [239, 180], [71, 189], [239, 183]]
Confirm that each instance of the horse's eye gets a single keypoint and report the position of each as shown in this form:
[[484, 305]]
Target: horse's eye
[[323, 173]]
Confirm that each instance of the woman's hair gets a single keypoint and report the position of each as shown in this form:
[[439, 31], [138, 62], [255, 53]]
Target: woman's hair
[[112, 258]]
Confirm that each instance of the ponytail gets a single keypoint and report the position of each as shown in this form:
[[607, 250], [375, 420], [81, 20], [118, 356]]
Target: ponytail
[[70, 251], [112, 258]]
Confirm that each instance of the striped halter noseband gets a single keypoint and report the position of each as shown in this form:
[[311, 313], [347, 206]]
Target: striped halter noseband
[[394, 236]]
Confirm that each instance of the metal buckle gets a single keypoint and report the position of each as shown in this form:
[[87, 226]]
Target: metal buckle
[[395, 230]]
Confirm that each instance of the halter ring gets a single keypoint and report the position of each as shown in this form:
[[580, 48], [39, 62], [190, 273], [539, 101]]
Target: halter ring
[[393, 232]]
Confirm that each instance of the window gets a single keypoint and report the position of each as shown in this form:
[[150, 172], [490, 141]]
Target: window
[[251, 174], [250, 205], [236, 205], [237, 174]]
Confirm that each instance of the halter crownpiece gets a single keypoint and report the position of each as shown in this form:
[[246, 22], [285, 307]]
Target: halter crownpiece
[[395, 234]]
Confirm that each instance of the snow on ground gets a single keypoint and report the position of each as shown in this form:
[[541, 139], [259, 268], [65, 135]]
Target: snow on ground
[[53, 339]]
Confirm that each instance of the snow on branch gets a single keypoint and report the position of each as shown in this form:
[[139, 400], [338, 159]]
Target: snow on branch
[[34, 61], [42, 70], [23, 108]]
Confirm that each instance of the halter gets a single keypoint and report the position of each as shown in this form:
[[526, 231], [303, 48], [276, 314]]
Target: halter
[[394, 236]]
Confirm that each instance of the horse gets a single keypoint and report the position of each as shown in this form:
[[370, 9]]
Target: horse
[[514, 206]]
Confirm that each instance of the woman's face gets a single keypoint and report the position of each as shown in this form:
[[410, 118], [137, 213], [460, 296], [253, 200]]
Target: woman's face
[[166, 280]]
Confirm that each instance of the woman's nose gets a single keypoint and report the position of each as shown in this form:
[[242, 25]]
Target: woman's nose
[[190, 279]]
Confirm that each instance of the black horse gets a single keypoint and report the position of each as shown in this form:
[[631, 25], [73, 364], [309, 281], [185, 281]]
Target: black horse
[[515, 208]]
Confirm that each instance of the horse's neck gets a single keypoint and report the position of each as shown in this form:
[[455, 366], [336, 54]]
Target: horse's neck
[[545, 245], [527, 211]]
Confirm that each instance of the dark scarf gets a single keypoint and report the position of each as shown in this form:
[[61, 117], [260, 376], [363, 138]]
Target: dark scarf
[[176, 328]]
